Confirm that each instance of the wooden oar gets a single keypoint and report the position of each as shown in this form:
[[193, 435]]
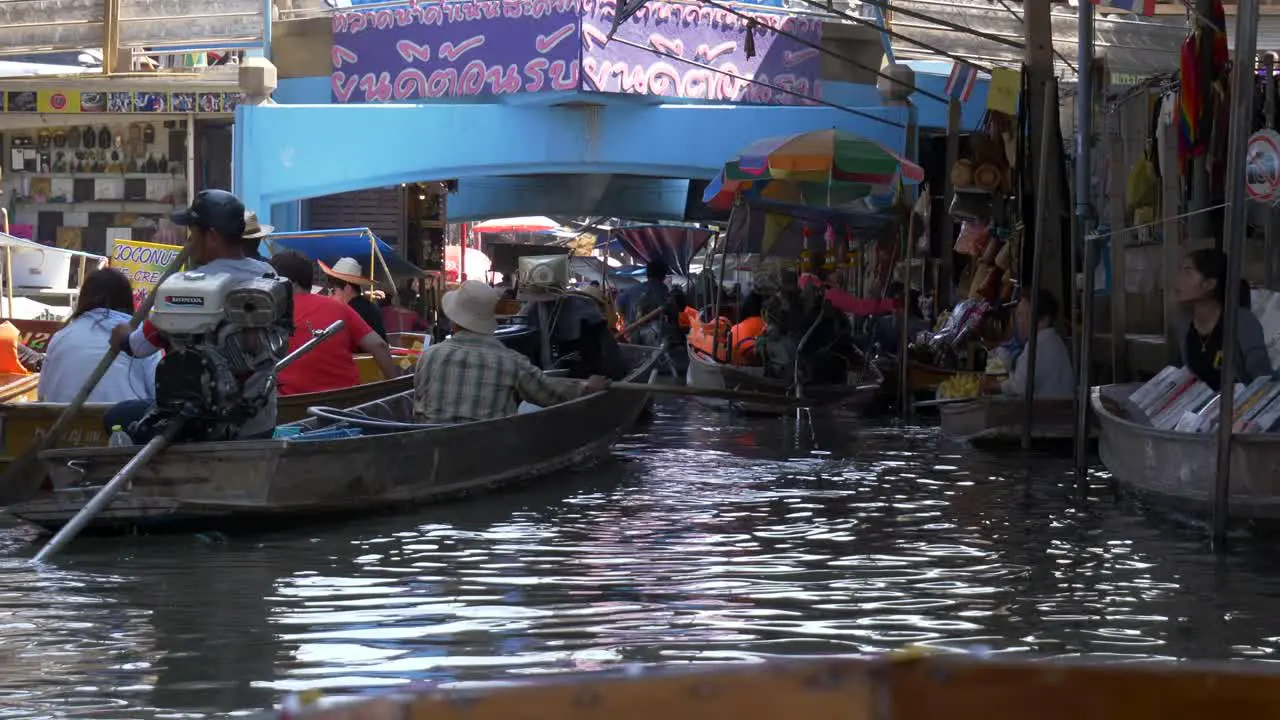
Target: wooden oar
[[21, 479], [719, 393], [944, 401], [109, 491], [639, 321]]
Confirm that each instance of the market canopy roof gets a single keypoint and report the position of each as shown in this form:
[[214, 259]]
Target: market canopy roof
[[328, 246], [17, 243]]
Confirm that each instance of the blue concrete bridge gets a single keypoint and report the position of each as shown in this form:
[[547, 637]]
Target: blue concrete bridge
[[466, 91]]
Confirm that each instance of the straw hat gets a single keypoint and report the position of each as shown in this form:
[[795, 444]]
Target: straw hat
[[253, 230], [347, 270], [472, 306]]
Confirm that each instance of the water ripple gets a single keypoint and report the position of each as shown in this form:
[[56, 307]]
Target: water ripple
[[707, 540]]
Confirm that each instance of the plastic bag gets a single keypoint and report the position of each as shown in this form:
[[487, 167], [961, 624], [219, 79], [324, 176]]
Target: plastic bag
[[974, 237]]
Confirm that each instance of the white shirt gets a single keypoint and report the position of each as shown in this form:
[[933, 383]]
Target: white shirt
[[75, 350], [1055, 379]]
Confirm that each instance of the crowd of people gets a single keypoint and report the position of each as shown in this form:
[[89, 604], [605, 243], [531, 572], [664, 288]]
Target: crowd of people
[[473, 376]]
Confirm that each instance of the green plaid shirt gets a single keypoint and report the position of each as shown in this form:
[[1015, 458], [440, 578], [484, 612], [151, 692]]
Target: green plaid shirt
[[472, 377]]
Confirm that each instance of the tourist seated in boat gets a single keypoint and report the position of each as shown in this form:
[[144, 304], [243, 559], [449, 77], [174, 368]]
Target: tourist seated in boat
[[347, 283], [215, 221], [330, 365], [1201, 289], [751, 325], [1055, 379], [888, 328], [105, 301], [652, 294], [398, 315], [254, 233], [472, 376]]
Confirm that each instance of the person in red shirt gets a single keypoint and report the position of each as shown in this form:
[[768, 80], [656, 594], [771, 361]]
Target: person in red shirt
[[330, 365]]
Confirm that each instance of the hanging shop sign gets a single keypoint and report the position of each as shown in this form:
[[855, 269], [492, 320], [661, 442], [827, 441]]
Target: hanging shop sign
[[116, 101], [143, 263], [1262, 166]]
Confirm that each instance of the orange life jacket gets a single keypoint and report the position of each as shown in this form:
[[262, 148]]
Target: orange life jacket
[[702, 336], [687, 318], [744, 336], [10, 336]]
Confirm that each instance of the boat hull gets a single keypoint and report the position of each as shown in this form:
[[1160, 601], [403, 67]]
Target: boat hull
[[227, 485], [707, 373], [21, 421], [1178, 469], [998, 421]]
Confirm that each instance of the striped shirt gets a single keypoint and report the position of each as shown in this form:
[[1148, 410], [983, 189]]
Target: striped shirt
[[472, 377]]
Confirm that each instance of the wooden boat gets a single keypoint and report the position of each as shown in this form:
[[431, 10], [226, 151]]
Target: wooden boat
[[706, 372], [1179, 469], [999, 419], [392, 463], [902, 686], [20, 419]]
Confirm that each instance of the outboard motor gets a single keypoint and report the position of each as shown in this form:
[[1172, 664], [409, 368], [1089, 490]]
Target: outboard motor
[[224, 338]]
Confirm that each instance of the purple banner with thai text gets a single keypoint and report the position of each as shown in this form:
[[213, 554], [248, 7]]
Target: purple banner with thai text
[[699, 52], [426, 50]]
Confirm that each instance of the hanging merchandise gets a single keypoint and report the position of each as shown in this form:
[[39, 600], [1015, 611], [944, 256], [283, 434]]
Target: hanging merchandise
[[973, 239], [806, 256]]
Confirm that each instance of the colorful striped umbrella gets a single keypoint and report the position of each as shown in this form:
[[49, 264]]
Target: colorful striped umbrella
[[822, 156], [722, 191]]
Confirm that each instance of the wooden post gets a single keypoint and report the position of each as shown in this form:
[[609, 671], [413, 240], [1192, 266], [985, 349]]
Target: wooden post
[[1038, 66], [111, 38], [948, 224], [1118, 171], [1172, 244]]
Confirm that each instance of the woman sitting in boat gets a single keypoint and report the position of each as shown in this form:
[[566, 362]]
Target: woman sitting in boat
[[329, 365], [1054, 378], [106, 300], [1201, 289], [347, 284], [472, 376]]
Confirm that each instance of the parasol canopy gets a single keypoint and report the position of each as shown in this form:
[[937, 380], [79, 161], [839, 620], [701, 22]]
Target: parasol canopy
[[476, 267], [535, 223], [823, 167]]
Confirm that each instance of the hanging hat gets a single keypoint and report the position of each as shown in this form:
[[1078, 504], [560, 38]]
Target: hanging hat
[[347, 270], [472, 306], [254, 230]]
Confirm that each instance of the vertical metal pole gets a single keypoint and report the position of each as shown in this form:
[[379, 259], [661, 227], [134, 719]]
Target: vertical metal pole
[[904, 332], [1084, 216], [1271, 264], [1037, 255], [1236, 223], [715, 304], [191, 166]]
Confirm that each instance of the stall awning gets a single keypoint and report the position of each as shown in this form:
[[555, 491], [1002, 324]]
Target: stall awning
[[328, 246], [17, 243], [674, 244]]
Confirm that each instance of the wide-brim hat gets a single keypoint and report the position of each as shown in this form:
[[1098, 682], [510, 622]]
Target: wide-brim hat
[[348, 270], [254, 230], [472, 306]]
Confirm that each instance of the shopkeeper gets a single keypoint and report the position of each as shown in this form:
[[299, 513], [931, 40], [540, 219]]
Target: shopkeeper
[[1200, 289], [1054, 377]]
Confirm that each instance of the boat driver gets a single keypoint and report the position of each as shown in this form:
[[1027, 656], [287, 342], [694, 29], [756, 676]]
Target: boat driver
[[215, 222], [472, 376]]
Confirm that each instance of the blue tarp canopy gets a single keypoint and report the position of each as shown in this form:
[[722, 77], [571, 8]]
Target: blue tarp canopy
[[328, 246]]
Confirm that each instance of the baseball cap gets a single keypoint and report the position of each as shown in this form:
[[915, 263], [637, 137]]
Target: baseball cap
[[216, 210]]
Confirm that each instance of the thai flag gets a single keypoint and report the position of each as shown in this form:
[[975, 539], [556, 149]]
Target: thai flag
[[961, 81], [1140, 7]]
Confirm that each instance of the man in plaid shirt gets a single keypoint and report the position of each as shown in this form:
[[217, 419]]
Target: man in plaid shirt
[[472, 376]]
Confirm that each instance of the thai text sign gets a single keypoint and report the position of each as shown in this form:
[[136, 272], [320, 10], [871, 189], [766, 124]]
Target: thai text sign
[[708, 38], [475, 48], [143, 263], [455, 49]]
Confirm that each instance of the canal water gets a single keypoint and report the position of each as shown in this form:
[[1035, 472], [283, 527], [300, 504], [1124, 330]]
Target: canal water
[[708, 539]]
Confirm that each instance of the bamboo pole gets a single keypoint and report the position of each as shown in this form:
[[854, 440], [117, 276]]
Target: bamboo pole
[[1037, 259], [1236, 225]]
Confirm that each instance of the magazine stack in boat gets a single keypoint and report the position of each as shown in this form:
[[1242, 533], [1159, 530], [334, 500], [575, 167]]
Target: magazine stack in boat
[[1176, 400]]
